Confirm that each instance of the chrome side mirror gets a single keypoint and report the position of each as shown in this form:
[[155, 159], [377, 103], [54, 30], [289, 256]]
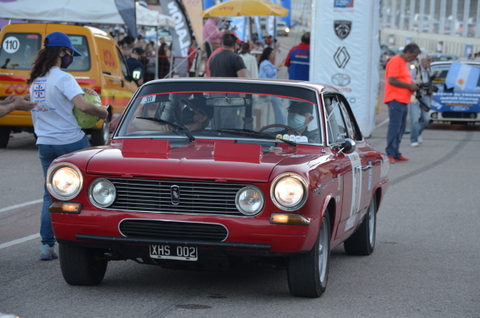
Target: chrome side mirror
[[348, 146]]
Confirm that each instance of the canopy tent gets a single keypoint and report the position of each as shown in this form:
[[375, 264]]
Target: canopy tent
[[85, 11]]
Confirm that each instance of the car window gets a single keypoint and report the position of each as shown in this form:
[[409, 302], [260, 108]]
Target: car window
[[440, 71], [123, 64], [353, 129], [19, 50], [336, 127], [80, 63], [250, 112]]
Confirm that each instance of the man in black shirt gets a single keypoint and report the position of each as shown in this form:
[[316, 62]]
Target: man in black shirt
[[227, 63]]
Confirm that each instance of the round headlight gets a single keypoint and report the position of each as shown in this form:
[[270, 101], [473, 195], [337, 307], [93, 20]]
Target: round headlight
[[102, 193], [289, 192], [64, 181], [249, 200]]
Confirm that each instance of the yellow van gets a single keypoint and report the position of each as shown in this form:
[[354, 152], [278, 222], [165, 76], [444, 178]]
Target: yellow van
[[101, 67]]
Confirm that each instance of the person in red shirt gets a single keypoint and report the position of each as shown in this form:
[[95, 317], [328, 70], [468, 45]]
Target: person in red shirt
[[399, 88]]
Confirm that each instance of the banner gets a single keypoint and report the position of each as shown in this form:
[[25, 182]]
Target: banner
[[126, 8], [345, 51], [182, 38]]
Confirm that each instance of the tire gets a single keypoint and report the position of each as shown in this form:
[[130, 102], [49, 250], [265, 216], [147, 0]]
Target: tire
[[308, 273], [99, 137], [362, 242], [82, 266], [4, 136]]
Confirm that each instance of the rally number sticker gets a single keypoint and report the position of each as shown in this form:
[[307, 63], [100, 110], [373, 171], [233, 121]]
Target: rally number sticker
[[11, 45], [356, 189]]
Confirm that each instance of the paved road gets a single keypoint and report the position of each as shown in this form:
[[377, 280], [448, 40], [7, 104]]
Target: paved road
[[426, 261]]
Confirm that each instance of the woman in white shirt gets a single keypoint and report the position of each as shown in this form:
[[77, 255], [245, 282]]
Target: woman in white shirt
[[56, 93]]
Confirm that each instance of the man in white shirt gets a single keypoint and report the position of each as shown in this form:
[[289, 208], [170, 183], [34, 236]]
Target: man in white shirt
[[419, 118]]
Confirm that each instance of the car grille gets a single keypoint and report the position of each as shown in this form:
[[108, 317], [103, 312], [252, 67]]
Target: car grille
[[173, 230], [158, 196], [459, 115]]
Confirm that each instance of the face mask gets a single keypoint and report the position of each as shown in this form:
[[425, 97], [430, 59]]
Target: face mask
[[66, 61], [296, 121]]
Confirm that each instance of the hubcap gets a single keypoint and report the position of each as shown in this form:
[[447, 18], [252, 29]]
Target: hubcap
[[323, 253], [371, 224]]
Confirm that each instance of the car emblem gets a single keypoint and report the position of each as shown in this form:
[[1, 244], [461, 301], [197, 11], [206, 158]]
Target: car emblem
[[341, 57], [342, 28], [175, 194], [340, 79]]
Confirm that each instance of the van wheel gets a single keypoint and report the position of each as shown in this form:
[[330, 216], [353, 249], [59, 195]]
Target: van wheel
[[82, 266], [4, 136], [99, 137]]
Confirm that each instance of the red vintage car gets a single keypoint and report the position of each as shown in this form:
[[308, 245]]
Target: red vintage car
[[209, 172]]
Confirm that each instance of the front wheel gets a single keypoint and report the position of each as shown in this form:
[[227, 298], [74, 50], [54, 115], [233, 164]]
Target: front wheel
[[362, 242], [82, 266], [308, 273]]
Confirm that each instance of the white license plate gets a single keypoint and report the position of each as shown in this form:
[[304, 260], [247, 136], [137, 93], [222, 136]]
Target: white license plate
[[176, 252]]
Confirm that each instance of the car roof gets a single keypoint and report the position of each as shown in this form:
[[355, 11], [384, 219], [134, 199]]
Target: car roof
[[316, 86]]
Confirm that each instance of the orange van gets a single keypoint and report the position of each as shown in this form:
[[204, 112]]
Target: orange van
[[101, 67]]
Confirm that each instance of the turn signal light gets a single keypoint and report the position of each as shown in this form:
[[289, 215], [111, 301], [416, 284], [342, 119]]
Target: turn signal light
[[289, 218], [65, 207]]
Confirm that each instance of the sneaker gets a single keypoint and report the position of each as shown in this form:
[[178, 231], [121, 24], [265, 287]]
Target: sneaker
[[401, 158], [415, 144], [47, 252], [391, 159], [406, 132], [420, 139]]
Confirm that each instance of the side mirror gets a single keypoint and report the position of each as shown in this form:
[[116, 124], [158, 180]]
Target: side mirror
[[137, 74], [348, 146]]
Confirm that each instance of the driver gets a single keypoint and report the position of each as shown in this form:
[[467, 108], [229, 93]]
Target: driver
[[299, 116], [196, 115]]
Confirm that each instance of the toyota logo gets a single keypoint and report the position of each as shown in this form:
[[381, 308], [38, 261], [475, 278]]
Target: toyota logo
[[340, 79]]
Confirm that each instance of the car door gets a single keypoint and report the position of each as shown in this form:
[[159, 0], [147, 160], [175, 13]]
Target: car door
[[368, 156], [350, 166]]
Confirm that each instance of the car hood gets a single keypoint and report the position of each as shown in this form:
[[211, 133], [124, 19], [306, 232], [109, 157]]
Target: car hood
[[198, 160]]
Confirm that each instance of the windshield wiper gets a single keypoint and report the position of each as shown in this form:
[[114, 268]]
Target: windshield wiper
[[248, 132], [166, 122]]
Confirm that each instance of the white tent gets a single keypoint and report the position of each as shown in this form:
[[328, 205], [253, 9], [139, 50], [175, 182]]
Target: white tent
[[79, 11]]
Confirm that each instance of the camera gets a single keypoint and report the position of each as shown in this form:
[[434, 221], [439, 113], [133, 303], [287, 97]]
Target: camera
[[426, 89]]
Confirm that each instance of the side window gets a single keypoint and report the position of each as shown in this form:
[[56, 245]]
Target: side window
[[123, 64], [19, 50], [80, 63], [336, 127], [351, 124]]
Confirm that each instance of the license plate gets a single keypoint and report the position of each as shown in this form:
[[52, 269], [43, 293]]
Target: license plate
[[176, 252]]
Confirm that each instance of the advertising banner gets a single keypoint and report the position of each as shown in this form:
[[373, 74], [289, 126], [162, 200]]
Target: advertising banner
[[345, 53], [182, 38]]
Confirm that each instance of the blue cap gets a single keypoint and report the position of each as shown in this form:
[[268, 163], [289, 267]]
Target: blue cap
[[61, 39]]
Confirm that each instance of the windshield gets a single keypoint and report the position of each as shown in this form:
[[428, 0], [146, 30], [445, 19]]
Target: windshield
[[223, 110]]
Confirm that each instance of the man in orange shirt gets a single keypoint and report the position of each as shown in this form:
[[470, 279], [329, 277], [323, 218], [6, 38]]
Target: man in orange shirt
[[399, 88]]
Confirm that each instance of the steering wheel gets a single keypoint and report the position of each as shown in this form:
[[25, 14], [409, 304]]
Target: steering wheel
[[290, 130]]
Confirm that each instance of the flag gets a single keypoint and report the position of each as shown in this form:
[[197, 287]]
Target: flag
[[462, 76]]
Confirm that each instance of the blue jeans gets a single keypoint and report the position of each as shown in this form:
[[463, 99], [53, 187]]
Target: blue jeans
[[397, 113], [48, 153], [418, 119]]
